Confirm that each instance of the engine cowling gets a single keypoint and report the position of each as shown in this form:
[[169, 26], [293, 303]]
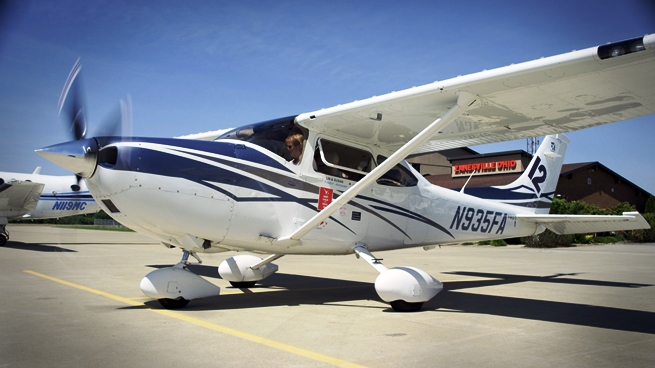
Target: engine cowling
[[177, 282], [409, 284], [238, 269]]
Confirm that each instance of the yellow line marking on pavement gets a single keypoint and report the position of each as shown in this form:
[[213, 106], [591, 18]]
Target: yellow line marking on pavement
[[87, 289], [226, 330]]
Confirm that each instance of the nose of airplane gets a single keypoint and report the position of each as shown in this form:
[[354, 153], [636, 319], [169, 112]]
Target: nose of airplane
[[79, 157]]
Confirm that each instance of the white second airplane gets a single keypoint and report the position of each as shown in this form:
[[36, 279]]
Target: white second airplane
[[36, 196], [334, 181]]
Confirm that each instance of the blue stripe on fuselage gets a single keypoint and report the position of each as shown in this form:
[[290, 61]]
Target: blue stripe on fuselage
[[152, 161], [128, 158], [66, 196]]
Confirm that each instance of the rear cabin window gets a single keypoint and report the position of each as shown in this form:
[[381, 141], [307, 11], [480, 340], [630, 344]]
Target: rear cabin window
[[398, 176], [342, 161]]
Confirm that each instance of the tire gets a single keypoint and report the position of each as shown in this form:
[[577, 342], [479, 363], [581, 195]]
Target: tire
[[173, 303], [403, 306], [243, 284], [3, 239]]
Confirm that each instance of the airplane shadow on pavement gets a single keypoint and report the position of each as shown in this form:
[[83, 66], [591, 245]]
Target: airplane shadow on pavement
[[301, 289], [543, 310], [36, 247], [50, 247]]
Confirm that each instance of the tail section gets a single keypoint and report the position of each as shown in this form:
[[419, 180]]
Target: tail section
[[535, 188]]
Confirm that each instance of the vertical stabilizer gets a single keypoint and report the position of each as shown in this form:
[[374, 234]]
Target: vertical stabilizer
[[535, 188]]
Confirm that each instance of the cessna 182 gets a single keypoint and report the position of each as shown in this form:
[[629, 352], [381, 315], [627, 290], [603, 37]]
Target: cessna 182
[[334, 181], [36, 196]]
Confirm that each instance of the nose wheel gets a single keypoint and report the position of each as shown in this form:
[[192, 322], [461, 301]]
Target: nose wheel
[[179, 303], [174, 287], [403, 306], [173, 303]]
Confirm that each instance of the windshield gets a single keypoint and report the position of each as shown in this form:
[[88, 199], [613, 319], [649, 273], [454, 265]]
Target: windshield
[[268, 134]]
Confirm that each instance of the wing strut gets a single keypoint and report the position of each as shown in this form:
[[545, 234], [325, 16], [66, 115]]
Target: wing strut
[[464, 102], [266, 261]]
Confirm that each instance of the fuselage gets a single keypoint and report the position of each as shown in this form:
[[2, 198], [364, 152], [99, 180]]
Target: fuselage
[[231, 194]]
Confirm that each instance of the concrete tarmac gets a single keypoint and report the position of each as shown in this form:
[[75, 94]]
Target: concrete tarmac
[[72, 298]]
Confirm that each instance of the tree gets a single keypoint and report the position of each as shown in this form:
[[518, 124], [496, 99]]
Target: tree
[[650, 205]]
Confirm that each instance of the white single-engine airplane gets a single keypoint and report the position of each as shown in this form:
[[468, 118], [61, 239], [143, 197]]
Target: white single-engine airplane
[[36, 196], [334, 181]]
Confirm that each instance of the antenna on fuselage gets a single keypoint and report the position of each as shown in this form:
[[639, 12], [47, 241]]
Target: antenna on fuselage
[[467, 181]]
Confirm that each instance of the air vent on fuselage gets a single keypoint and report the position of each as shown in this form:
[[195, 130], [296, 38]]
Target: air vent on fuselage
[[110, 206], [107, 157]]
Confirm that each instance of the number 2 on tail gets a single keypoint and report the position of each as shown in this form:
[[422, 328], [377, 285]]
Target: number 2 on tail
[[537, 180]]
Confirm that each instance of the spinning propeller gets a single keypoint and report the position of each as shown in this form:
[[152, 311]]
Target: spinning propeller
[[75, 106], [81, 154]]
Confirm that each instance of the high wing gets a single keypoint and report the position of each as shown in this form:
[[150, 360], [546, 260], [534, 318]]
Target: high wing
[[18, 198], [575, 224], [557, 94]]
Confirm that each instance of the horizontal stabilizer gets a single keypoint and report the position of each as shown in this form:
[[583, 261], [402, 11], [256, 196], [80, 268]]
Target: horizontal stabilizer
[[581, 224]]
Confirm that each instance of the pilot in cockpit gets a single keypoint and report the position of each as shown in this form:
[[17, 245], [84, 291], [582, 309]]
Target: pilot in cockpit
[[295, 143]]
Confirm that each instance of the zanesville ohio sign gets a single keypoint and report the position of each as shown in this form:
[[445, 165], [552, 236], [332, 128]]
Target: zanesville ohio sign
[[486, 168]]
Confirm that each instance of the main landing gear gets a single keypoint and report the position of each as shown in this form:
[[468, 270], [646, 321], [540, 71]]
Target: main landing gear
[[405, 288], [175, 286]]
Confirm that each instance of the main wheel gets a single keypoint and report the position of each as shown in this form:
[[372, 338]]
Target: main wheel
[[403, 306], [3, 239], [173, 303], [243, 284]]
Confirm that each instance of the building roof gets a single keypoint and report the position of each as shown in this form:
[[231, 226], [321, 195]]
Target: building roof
[[568, 169]]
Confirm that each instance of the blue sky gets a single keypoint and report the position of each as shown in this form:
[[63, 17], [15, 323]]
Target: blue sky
[[194, 66]]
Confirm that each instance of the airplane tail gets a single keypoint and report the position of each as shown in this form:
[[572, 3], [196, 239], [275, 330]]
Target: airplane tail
[[535, 188]]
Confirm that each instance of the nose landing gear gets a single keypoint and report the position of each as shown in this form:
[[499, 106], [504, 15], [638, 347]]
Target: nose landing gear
[[175, 286]]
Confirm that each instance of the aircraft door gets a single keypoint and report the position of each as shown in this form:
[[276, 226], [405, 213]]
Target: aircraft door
[[336, 167]]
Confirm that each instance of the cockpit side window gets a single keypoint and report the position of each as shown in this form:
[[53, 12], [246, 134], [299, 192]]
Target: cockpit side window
[[342, 161], [398, 176]]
